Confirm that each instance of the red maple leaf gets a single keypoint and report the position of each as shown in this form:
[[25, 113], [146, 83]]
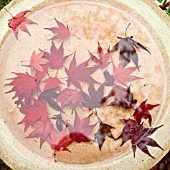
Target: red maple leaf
[[61, 32], [56, 57], [18, 22], [95, 98], [138, 135], [35, 112], [52, 83], [80, 73], [69, 97], [61, 141], [81, 129], [142, 111], [24, 86], [104, 58], [122, 75], [37, 61]]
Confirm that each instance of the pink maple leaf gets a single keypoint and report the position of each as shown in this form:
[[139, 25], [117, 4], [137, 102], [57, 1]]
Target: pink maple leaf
[[19, 21], [52, 83], [37, 61], [61, 32], [81, 129], [104, 58], [56, 57], [35, 112], [122, 75], [69, 97], [80, 73], [41, 131]]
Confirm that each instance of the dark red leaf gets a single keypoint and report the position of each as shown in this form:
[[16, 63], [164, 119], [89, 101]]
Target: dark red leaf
[[103, 131], [127, 51], [138, 135], [142, 111]]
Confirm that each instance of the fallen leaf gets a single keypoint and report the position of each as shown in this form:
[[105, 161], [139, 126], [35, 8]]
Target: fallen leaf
[[37, 61], [103, 60], [69, 97], [51, 83], [122, 75], [24, 86], [49, 96], [142, 111], [35, 112], [80, 73], [127, 51], [103, 132], [123, 97], [56, 57], [61, 32], [19, 21], [81, 129], [138, 135], [110, 80], [61, 141], [94, 100]]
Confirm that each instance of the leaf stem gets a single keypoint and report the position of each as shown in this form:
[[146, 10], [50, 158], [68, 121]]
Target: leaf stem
[[8, 12]]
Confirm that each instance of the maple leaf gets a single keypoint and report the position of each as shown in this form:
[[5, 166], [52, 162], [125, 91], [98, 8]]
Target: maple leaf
[[35, 112], [19, 21], [42, 131], [127, 51], [123, 97], [122, 75], [95, 98], [79, 73], [138, 135], [69, 97], [49, 96], [109, 79], [24, 86], [81, 129], [104, 58], [56, 57], [37, 61], [61, 141], [52, 83], [62, 32], [142, 111], [103, 132]]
